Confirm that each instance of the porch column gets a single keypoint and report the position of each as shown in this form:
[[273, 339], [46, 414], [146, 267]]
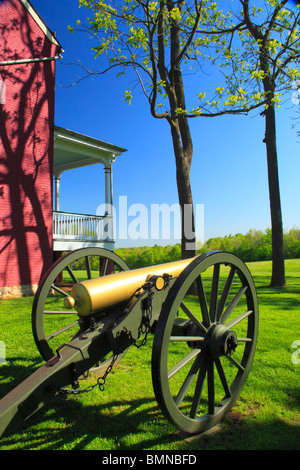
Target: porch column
[[108, 189], [57, 184], [108, 203]]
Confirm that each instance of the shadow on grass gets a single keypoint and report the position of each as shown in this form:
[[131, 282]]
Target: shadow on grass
[[138, 424], [69, 424], [14, 371], [66, 422], [98, 428], [287, 298], [252, 434], [289, 288]]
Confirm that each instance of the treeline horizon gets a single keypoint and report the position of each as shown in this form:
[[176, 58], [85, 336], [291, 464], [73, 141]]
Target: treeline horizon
[[255, 245]]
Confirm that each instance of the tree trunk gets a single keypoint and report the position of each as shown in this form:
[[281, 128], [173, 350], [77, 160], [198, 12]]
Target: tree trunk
[[278, 274], [183, 159], [180, 131]]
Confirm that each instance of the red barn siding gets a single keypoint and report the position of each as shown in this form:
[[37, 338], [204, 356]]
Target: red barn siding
[[26, 148]]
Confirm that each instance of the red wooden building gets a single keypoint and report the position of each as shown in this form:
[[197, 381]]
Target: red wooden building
[[33, 151]]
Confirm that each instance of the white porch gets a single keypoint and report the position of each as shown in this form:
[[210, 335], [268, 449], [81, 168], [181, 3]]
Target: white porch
[[72, 231]]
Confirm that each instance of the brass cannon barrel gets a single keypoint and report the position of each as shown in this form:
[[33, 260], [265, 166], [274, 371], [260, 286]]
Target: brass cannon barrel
[[95, 295]]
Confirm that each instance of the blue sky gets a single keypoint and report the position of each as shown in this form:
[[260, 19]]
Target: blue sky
[[229, 169]]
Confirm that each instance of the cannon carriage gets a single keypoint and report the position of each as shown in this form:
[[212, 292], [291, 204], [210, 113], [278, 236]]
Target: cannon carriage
[[90, 308]]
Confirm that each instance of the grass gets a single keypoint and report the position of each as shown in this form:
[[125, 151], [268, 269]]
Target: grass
[[126, 416]]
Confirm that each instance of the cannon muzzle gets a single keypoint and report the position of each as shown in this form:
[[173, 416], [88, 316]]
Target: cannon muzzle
[[96, 295]]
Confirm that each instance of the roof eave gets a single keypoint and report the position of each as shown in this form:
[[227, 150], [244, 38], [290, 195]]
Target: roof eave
[[40, 22]]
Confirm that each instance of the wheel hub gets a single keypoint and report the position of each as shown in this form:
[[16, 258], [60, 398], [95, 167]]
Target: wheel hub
[[221, 341]]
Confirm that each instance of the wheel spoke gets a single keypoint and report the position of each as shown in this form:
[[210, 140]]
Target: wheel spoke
[[72, 274], [60, 312], [235, 363], [104, 268], [199, 387], [214, 293], [192, 317], [57, 289], [88, 267], [186, 338], [188, 381], [233, 304], [211, 387], [223, 378], [244, 340], [185, 360], [239, 318], [225, 292], [202, 300], [62, 330]]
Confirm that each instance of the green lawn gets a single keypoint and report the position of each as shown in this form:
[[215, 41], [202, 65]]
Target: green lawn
[[126, 416]]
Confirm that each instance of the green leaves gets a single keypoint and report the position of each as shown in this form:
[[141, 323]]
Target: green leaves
[[260, 56], [175, 14], [256, 46], [258, 74], [128, 96], [137, 38]]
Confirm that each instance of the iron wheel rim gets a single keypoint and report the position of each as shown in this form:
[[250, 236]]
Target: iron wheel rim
[[41, 337], [206, 364]]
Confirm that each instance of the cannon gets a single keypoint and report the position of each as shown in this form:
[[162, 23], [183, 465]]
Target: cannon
[[90, 308]]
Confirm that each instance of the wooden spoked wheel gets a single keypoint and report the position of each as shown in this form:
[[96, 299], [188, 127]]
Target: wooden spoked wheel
[[52, 324], [204, 344]]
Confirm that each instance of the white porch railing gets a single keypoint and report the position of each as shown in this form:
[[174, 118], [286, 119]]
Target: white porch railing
[[68, 226]]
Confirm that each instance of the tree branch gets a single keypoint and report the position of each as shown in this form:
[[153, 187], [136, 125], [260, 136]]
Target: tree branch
[[241, 111]]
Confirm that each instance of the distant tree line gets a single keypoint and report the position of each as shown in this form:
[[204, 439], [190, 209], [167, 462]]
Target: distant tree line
[[149, 255], [256, 245]]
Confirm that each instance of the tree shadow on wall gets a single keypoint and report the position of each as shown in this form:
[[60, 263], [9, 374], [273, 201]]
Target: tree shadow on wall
[[26, 151]]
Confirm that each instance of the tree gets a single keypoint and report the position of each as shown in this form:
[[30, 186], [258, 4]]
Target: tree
[[260, 58], [155, 39], [255, 54]]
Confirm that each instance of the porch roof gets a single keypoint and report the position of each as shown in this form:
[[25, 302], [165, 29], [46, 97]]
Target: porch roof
[[75, 150]]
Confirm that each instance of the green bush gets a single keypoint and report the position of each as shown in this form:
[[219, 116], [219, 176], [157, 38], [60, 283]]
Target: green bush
[[149, 256], [255, 245]]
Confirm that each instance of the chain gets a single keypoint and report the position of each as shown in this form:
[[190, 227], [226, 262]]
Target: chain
[[100, 381], [144, 329], [145, 326]]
